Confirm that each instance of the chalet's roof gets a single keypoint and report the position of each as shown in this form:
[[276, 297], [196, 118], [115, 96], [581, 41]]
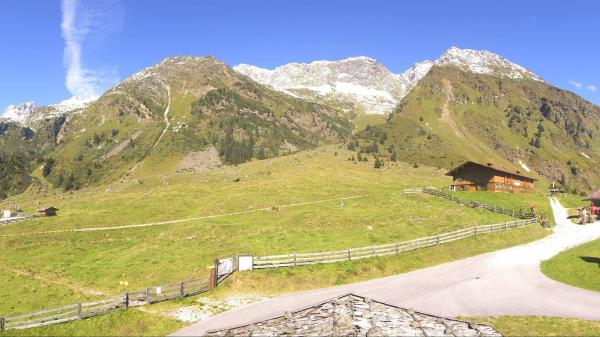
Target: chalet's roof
[[594, 196], [489, 167], [353, 315]]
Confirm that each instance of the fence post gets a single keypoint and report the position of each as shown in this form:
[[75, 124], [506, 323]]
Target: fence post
[[513, 213], [505, 225], [475, 229], [397, 248], [417, 244], [295, 262], [438, 239], [373, 250], [126, 300], [211, 279], [216, 269], [79, 310], [148, 295], [181, 292], [349, 254], [1, 323]]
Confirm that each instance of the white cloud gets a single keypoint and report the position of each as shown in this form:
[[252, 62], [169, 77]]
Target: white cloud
[[576, 84], [82, 20], [579, 85]]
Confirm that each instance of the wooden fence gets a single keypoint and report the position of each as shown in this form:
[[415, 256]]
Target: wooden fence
[[91, 309], [4, 221], [290, 260], [520, 214]]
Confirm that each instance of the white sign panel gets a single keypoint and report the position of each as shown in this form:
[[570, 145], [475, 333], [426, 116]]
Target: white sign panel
[[245, 262], [225, 266]]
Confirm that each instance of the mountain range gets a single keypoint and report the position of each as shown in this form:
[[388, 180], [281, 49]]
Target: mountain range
[[192, 113], [367, 84]]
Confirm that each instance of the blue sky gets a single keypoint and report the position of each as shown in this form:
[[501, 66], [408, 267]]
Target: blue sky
[[104, 41]]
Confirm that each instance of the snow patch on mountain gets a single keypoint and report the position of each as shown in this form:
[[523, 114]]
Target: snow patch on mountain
[[524, 166], [73, 103], [28, 112], [19, 112], [361, 80], [484, 62]]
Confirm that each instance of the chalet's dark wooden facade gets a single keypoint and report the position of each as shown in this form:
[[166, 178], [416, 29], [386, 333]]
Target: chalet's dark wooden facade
[[472, 176]]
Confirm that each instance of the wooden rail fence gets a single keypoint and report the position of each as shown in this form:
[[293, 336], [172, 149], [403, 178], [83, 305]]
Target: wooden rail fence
[[4, 221], [290, 260], [91, 309], [520, 214]]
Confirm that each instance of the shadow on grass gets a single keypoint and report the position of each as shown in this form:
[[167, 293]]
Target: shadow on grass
[[590, 259]]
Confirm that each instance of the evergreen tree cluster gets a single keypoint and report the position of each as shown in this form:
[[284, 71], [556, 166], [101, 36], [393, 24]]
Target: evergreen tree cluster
[[14, 173], [234, 151]]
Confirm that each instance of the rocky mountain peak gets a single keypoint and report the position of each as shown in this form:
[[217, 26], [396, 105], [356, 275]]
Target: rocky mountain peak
[[73, 103], [360, 80], [29, 113], [176, 68], [484, 62], [19, 112], [366, 83]]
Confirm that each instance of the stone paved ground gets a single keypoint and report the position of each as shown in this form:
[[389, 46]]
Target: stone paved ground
[[352, 315]]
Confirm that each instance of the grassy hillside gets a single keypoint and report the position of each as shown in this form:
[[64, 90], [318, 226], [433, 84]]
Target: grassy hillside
[[21, 150], [310, 201], [454, 115], [169, 115]]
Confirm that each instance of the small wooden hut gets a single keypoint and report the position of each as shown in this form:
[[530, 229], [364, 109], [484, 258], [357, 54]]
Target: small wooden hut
[[47, 211]]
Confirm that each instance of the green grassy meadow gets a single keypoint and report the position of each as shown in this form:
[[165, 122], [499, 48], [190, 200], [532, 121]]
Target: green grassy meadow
[[540, 326], [579, 266], [572, 201], [284, 280], [132, 322], [310, 201]]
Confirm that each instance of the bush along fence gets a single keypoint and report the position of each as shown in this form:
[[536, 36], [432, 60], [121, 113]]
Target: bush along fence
[[520, 214], [291, 260], [222, 269]]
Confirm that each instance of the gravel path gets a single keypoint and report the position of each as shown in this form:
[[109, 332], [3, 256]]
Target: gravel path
[[169, 222], [166, 117], [505, 282]]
